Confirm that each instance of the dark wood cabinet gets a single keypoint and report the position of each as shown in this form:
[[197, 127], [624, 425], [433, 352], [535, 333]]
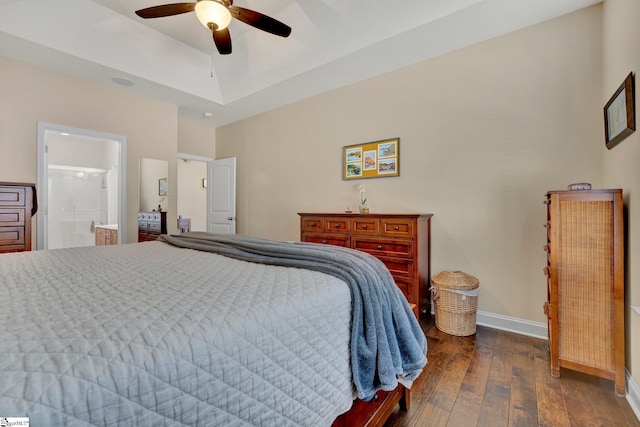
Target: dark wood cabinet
[[585, 283], [401, 241], [106, 235], [18, 203], [151, 225]]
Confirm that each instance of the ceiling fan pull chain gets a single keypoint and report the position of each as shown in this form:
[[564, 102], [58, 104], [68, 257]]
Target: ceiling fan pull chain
[[212, 52]]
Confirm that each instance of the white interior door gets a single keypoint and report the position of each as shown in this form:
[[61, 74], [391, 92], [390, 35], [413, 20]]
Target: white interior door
[[221, 200]]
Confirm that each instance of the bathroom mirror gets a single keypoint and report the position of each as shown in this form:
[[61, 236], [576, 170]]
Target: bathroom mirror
[[153, 184]]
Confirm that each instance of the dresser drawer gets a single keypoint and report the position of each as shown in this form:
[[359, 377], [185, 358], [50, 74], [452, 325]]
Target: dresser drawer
[[12, 236], [12, 217], [365, 226], [314, 224], [406, 286], [12, 196], [336, 225], [327, 239], [398, 267], [396, 228], [399, 248], [154, 227]]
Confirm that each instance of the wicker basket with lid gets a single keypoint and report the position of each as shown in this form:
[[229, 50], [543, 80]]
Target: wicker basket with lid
[[455, 297]]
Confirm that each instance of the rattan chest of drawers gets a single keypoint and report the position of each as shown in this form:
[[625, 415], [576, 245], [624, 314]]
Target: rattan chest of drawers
[[585, 283], [401, 241]]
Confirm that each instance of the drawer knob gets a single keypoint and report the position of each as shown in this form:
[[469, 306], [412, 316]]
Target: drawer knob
[[337, 225], [376, 397], [396, 228], [324, 242], [364, 227], [379, 247], [546, 248], [313, 224], [546, 271]]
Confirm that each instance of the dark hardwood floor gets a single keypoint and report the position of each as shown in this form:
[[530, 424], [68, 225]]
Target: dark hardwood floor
[[497, 378]]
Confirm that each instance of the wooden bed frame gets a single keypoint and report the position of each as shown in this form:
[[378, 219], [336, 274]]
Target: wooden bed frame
[[375, 412]]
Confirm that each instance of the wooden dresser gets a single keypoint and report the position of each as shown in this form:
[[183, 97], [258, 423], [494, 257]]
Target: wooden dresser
[[106, 235], [18, 203], [151, 225], [585, 283], [401, 241]]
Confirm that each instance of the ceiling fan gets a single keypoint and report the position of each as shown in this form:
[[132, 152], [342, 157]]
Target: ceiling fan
[[216, 15]]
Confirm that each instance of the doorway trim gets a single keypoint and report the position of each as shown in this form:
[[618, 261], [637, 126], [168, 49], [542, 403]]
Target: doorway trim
[[42, 182]]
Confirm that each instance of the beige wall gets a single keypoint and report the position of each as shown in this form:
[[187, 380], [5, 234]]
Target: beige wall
[[485, 132], [621, 49], [31, 94], [196, 139]]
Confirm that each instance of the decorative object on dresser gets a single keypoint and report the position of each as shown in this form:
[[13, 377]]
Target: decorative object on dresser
[[151, 225], [401, 241], [18, 203], [585, 283], [106, 235]]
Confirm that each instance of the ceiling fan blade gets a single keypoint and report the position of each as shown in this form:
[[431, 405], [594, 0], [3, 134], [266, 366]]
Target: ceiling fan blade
[[260, 21], [166, 10], [222, 39]]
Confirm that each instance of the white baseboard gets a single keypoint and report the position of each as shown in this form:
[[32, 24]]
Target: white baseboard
[[512, 324], [633, 394]]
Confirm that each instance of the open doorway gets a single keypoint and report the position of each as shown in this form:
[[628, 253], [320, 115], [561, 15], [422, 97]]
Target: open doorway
[[81, 185], [192, 190]]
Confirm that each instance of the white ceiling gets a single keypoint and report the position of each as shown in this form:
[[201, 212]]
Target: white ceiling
[[333, 43]]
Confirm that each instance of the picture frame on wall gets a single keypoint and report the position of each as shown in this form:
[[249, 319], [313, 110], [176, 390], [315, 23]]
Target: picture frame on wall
[[371, 160], [162, 186], [619, 113]]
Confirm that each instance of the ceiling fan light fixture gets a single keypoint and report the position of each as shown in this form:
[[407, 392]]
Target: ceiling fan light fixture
[[211, 11]]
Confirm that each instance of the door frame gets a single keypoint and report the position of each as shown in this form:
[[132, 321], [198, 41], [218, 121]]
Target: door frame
[[206, 160], [43, 177]]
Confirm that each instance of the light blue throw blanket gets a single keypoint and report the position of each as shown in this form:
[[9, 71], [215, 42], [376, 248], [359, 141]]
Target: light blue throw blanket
[[386, 339]]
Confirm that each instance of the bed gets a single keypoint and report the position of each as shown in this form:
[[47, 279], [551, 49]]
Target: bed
[[200, 329]]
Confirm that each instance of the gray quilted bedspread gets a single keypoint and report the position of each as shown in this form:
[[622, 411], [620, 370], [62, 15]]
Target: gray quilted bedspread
[[151, 335]]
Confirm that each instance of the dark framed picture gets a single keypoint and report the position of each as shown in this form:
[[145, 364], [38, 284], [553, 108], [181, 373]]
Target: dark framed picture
[[162, 187], [619, 113], [371, 160]]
